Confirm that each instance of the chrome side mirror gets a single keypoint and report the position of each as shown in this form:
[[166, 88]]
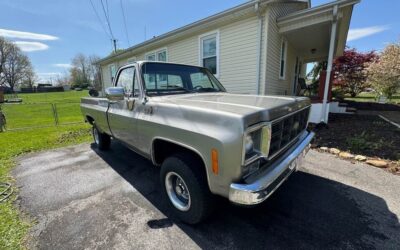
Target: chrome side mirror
[[115, 93]]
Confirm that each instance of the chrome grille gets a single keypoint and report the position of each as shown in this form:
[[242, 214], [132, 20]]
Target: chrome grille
[[286, 130]]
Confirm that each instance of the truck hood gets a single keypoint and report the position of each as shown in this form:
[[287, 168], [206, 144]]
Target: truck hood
[[252, 108]]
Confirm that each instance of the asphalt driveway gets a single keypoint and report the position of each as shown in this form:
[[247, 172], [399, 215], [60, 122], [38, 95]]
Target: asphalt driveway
[[85, 199]]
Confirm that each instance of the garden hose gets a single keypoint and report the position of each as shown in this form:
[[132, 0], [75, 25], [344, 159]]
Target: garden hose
[[6, 193]]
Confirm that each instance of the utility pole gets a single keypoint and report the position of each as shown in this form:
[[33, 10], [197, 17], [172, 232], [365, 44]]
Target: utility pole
[[115, 45]]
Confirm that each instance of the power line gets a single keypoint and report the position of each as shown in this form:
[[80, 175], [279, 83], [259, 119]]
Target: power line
[[126, 28], [107, 20], [99, 19]]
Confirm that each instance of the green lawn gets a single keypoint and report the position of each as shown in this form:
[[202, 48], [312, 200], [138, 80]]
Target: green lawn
[[13, 228], [371, 97], [56, 97], [35, 110]]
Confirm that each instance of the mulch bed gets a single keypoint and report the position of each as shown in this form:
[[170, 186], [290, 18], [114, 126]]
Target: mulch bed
[[366, 135]]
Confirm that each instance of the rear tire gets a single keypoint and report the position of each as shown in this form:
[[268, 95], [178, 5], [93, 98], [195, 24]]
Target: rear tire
[[185, 187], [102, 140]]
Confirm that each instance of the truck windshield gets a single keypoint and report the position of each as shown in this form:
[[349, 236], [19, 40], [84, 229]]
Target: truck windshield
[[168, 79]]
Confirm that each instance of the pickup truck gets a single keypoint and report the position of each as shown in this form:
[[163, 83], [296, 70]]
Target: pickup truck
[[207, 142]]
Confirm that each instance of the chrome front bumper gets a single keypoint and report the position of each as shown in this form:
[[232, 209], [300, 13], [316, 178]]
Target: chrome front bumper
[[261, 187]]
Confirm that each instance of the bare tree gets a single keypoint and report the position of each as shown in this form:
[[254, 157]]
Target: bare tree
[[84, 71], [29, 79], [80, 70], [16, 67], [62, 80], [5, 47], [95, 71]]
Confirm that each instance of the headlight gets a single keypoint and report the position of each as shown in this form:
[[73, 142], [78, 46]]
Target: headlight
[[256, 142]]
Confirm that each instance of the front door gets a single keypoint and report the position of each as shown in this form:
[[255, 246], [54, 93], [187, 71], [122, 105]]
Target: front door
[[122, 115]]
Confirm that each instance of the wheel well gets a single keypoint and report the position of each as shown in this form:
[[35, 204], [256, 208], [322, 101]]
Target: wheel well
[[163, 149], [90, 119]]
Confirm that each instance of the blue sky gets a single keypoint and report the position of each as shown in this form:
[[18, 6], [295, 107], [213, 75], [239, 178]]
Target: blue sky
[[53, 31]]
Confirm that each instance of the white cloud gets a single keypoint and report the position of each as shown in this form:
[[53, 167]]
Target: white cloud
[[62, 65], [355, 34], [31, 46], [26, 35]]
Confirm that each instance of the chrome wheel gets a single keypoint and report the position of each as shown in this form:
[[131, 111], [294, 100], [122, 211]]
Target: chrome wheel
[[96, 136], [177, 191]]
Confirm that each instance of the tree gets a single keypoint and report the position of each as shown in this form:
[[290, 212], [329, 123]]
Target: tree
[[85, 71], [5, 47], [95, 71], [384, 74], [16, 68], [80, 71], [29, 79], [349, 70], [62, 80]]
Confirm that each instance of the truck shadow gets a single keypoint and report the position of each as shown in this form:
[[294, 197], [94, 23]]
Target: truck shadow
[[308, 211]]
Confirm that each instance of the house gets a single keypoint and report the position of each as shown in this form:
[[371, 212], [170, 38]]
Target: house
[[259, 47]]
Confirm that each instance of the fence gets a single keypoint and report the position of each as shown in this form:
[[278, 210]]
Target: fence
[[25, 115]]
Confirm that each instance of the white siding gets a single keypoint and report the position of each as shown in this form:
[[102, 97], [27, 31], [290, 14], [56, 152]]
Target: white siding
[[238, 56], [274, 85]]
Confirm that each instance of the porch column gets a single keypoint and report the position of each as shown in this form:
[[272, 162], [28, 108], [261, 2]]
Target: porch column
[[325, 109]]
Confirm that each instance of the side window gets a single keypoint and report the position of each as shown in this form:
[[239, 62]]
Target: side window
[[136, 88], [125, 80]]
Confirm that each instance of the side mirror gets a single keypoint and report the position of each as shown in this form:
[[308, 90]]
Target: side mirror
[[115, 93]]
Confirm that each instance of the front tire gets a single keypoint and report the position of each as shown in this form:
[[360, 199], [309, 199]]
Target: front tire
[[102, 140], [185, 187]]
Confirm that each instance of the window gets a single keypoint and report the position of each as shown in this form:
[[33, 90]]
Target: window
[[127, 80], [209, 52], [113, 71], [160, 56], [282, 69]]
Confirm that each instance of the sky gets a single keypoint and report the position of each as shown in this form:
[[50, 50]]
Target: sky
[[51, 32]]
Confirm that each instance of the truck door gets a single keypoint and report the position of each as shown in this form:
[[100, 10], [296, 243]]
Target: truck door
[[122, 115]]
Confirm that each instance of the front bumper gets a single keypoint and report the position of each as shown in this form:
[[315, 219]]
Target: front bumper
[[260, 188]]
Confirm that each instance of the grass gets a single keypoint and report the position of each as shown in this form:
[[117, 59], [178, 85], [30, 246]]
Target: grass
[[35, 110], [54, 97], [371, 97]]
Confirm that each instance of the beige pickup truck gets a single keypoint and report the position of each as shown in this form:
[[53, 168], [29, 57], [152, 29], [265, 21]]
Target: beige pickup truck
[[206, 141]]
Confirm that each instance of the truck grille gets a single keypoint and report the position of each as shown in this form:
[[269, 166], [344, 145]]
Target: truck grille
[[286, 130]]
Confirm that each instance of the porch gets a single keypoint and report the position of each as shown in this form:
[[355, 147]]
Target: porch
[[318, 35]]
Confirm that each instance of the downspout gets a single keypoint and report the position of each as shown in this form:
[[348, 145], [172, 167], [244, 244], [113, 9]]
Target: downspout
[[324, 114], [259, 44]]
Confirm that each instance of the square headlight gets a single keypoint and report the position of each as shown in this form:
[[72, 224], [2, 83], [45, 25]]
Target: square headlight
[[256, 142]]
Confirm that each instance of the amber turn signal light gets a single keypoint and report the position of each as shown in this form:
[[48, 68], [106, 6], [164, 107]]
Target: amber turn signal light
[[214, 161]]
